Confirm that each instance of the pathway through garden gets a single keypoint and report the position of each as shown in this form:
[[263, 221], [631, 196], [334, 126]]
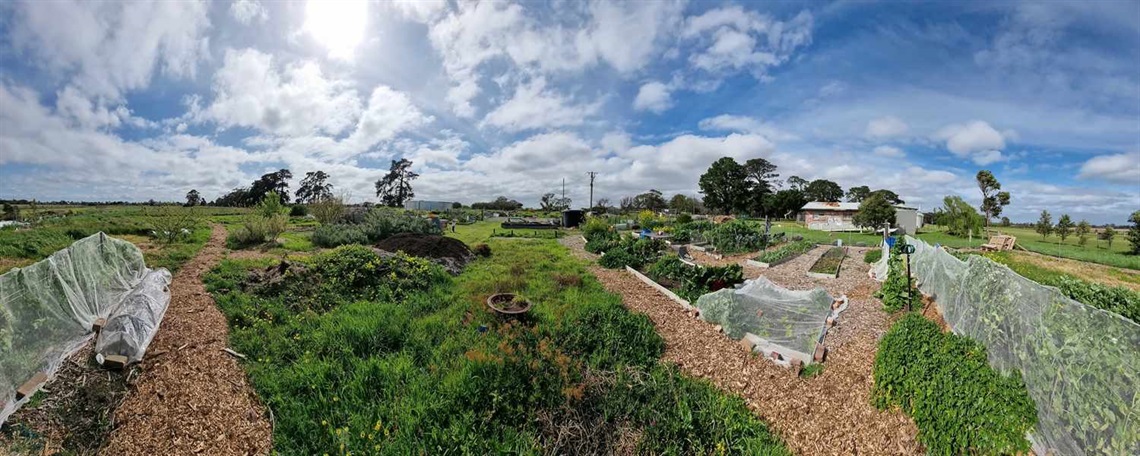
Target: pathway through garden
[[192, 398], [828, 414]]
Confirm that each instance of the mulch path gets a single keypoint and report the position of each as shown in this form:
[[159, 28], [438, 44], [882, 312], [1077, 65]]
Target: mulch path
[[192, 398], [830, 414]]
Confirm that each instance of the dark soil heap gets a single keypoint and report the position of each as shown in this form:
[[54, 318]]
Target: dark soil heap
[[451, 253]]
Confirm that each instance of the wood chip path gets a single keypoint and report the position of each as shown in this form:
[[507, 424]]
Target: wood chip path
[[192, 397], [830, 414]]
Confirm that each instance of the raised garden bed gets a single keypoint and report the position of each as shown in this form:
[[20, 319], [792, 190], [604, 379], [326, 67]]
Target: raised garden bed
[[827, 266], [782, 254], [527, 233]]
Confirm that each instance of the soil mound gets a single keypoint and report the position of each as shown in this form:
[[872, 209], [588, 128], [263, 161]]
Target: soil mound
[[452, 253]]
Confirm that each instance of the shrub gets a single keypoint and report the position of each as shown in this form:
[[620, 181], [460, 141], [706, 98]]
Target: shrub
[[646, 219], [298, 210], [873, 256], [169, 223], [595, 227], [683, 218], [960, 404], [482, 250], [380, 224], [602, 241], [338, 235], [735, 237]]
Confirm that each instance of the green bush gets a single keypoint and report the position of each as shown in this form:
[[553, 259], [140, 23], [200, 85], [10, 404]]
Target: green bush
[[873, 256], [594, 228], [736, 236], [298, 210], [786, 251], [683, 218], [942, 380], [381, 223], [898, 290], [337, 235]]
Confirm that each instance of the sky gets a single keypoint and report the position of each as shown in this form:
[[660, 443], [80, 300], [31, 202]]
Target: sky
[[133, 101]]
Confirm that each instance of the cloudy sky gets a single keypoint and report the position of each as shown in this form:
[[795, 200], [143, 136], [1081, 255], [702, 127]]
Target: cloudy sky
[[133, 100]]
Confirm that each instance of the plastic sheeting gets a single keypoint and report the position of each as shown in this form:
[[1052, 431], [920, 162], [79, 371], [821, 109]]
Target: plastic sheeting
[[47, 309], [879, 268], [1081, 365], [790, 322]]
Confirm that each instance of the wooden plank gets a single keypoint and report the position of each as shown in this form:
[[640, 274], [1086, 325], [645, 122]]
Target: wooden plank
[[665, 291]]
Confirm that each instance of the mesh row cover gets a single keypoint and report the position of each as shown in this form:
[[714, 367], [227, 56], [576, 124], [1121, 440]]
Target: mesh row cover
[[879, 269], [789, 319], [47, 309], [1081, 365]]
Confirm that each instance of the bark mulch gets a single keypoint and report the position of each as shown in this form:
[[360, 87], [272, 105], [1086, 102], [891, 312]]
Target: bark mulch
[[830, 414], [192, 398]]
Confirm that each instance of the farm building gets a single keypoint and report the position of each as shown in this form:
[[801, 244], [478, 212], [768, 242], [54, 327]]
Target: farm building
[[829, 216], [438, 206]]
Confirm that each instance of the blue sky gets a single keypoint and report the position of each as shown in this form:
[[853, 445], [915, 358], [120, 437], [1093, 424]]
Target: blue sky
[[105, 100]]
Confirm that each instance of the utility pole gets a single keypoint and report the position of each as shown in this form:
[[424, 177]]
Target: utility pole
[[592, 174], [563, 189]]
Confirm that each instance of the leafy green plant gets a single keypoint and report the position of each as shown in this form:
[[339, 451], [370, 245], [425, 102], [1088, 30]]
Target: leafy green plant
[[812, 370], [594, 228], [632, 252], [735, 237], [695, 281], [960, 404], [873, 256], [898, 290]]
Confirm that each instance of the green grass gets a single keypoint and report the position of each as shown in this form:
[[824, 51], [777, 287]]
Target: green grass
[[296, 241], [403, 376], [59, 227]]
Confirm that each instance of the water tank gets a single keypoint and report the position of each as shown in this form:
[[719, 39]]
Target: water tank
[[571, 218]]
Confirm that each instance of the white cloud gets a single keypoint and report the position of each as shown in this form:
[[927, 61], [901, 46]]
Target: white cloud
[[731, 38], [653, 96], [976, 140], [1121, 168], [248, 11], [889, 151], [886, 127], [623, 36], [108, 48], [986, 157], [297, 100], [744, 124], [389, 112], [534, 107]]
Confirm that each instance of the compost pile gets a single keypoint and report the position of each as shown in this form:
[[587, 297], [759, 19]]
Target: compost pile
[[448, 252]]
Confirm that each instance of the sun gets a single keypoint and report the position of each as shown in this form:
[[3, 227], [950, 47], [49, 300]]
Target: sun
[[338, 25]]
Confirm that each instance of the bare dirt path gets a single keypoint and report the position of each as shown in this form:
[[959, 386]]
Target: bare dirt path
[[192, 398], [830, 414]]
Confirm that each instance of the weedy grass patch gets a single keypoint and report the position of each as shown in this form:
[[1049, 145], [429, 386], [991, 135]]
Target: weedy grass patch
[[368, 370]]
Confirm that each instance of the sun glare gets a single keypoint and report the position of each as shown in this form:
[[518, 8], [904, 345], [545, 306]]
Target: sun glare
[[338, 25]]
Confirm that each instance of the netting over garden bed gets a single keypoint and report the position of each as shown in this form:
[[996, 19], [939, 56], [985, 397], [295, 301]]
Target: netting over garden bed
[[47, 309], [1080, 364], [790, 322]]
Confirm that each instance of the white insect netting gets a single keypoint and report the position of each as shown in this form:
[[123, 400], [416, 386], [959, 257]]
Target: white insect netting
[[47, 309], [1081, 365], [790, 322], [878, 270]]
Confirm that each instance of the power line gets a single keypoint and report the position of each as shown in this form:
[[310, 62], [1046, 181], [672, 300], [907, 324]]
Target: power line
[[592, 175]]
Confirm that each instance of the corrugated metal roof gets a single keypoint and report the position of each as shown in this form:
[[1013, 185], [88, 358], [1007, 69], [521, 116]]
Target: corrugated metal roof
[[828, 206]]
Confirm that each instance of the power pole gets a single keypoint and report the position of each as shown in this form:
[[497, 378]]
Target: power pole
[[563, 189], [592, 174]]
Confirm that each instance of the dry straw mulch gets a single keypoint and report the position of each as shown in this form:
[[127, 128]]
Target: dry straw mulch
[[192, 398], [830, 414]]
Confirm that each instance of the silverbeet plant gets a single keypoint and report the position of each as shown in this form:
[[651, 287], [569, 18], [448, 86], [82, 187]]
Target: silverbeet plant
[[897, 290]]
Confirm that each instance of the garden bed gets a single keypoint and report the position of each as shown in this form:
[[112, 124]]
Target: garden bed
[[781, 254], [827, 266]]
